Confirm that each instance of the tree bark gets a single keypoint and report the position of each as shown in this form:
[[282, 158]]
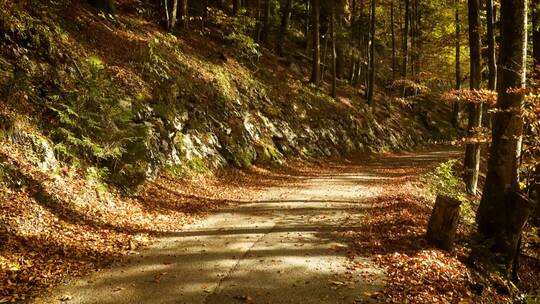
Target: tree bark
[[394, 64], [265, 34], [455, 110], [306, 29], [502, 175], [536, 31], [285, 20], [405, 52], [316, 44], [340, 44], [236, 7], [443, 222], [174, 13], [371, 73], [492, 61], [412, 26], [333, 33], [472, 151], [184, 13]]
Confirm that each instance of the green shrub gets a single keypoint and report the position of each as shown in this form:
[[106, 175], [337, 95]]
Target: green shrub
[[237, 30]]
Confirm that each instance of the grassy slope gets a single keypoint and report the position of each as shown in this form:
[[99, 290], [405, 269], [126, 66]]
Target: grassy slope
[[87, 99]]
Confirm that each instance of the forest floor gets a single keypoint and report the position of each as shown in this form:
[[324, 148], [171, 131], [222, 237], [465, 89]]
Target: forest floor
[[338, 232]]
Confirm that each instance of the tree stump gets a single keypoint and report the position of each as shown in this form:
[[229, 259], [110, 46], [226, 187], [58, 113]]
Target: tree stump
[[443, 222]]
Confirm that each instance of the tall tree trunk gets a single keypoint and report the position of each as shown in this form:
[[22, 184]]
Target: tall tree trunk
[[236, 7], [455, 110], [316, 44], [306, 28], [285, 20], [405, 52], [418, 37], [333, 33], [472, 151], [492, 61], [494, 217], [394, 65], [167, 14], [362, 42], [173, 14], [340, 44], [371, 76], [412, 26], [536, 31], [265, 35], [259, 27], [184, 13], [508, 120]]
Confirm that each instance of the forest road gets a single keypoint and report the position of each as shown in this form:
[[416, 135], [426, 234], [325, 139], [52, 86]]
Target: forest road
[[283, 247]]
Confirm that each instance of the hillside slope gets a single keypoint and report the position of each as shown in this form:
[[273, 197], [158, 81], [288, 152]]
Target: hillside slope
[[93, 107]]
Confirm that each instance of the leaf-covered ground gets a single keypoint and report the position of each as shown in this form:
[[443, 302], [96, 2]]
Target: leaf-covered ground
[[77, 230]]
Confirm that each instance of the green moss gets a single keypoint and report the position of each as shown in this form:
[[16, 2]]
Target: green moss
[[198, 165], [270, 155], [241, 157]]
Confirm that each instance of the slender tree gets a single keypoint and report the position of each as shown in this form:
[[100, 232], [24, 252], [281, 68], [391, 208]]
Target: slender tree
[[265, 33], [496, 215], [371, 74], [333, 33], [174, 12], [285, 20], [340, 43], [536, 31], [316, 44], [405, 51], [472, 151], [307, 25], [394, 58], [455, 110], [492, 61], [184, 13], [236, 7]]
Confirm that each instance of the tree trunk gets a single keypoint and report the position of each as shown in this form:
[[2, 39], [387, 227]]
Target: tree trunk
[[443, 222], [306, 29], [174, 12], [167, 15], [455, 110], [405, 52], [417, 37], [316, 44], [371, 75], [285, 20], [394, 65], [340, 44], [236, 7], [184, 13], [518, 209], [492, 61], [265, 35], [352, 77], [472, 151], [536, 31], [412, 26], [496, 211], [333, 33]]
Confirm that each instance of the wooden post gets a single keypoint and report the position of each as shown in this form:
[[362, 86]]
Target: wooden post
[[443, 222]]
